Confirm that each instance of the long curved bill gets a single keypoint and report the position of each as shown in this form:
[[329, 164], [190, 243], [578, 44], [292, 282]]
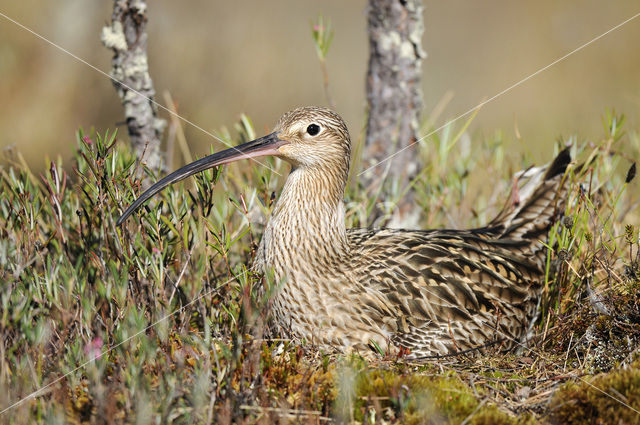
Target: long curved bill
[[266, 145]]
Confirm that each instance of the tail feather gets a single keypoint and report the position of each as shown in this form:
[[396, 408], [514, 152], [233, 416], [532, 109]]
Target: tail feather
[[536, 202]]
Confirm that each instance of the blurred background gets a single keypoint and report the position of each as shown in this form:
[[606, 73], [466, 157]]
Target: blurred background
[[219, 59]]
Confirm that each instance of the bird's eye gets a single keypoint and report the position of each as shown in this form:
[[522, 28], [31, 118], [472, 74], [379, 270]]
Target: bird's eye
[[313, 129]]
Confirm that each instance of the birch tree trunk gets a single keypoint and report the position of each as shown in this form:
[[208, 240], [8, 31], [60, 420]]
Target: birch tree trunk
[[394, 97], [127, 37]]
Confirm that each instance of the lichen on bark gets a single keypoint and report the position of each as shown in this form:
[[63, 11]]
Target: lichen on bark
[[394, 96], [127, 37]]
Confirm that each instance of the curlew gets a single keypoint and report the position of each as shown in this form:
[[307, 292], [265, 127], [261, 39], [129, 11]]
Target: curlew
[[429, 293]]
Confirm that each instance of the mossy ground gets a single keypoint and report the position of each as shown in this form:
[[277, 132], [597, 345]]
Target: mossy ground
[[169, 309]]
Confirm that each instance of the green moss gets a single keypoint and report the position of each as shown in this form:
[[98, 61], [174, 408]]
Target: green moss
[[420, 397], [493, 416], [591, 400]]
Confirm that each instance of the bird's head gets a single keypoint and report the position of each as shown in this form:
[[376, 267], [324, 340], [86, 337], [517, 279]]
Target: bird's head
[[313, 137]]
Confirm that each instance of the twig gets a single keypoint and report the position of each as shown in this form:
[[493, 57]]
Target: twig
[[184, 269], [478, 407], [291, 413]]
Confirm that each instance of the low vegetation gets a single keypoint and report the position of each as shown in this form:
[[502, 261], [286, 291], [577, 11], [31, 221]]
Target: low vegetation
[[159, 321]]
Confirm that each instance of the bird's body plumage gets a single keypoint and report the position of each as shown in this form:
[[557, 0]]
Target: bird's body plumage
[[431, 292]]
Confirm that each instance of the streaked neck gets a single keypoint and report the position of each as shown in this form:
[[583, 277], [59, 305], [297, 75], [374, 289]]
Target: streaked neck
[[310, 213]]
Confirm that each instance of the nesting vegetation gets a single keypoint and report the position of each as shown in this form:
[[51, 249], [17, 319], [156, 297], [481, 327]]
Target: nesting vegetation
[[160, 320]]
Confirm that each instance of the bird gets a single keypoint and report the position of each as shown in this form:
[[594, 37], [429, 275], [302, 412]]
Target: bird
[[417, 293]]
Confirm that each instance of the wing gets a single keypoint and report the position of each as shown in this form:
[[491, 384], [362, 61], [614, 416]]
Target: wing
[[449, 290], [453, 290]]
